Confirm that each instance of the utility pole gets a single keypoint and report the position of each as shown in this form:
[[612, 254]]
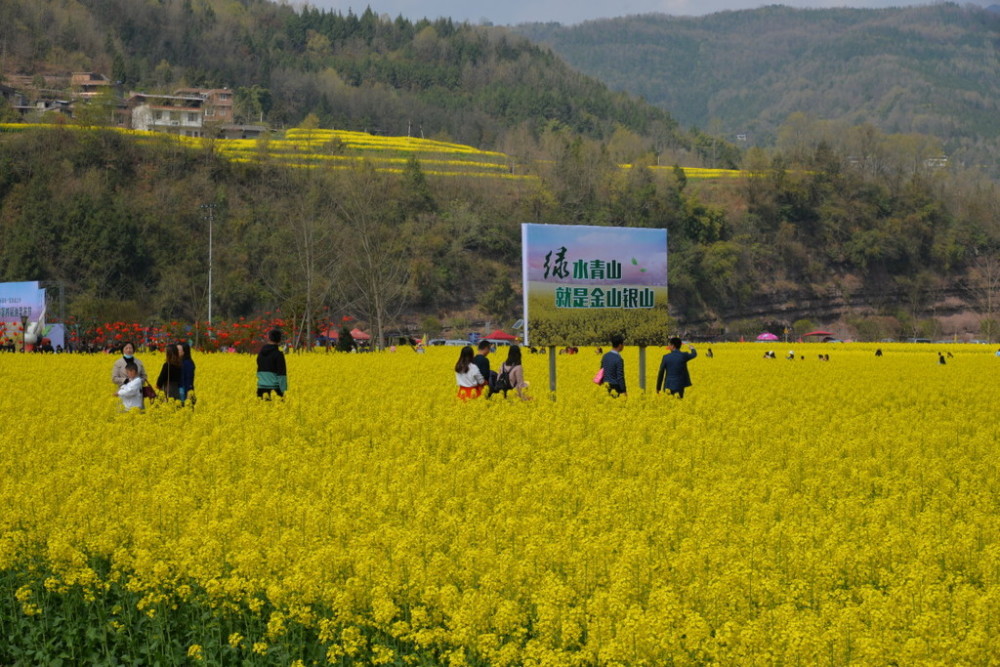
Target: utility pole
[[62, 295], [210, 208]]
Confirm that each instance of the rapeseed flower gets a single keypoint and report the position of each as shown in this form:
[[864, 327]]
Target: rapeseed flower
[[794, 512]]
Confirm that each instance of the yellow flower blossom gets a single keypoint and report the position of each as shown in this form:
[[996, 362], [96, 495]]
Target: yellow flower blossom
[[793, 512]]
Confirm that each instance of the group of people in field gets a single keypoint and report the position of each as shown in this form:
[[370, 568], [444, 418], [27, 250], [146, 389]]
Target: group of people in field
[[672, 377], [176, 378], [475, 378], [175, 381]]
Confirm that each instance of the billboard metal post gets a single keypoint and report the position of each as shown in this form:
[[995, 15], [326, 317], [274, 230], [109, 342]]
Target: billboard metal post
[[552, 369], [210, 208], [642, 367]]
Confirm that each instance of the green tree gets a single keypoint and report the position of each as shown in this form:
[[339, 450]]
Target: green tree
[[802, 327], [345, 341], [7, 112], [98, 111], [252, 104], [416, 194], [500, 300]]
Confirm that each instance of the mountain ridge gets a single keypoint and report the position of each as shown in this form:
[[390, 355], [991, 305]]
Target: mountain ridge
[[917, 70]]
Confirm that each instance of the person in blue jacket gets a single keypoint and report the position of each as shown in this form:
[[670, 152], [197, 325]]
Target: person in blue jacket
[[614, 367], [673, 375], [187, 374]]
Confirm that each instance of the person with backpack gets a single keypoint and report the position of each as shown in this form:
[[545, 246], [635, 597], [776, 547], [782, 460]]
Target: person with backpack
[[511, 375]]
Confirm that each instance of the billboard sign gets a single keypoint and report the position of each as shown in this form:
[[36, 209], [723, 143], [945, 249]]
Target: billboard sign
[[17, 299], [583, 284]]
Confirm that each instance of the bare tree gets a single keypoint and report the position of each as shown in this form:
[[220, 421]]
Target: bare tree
[[374, 261], [984, 285], [305, 253]]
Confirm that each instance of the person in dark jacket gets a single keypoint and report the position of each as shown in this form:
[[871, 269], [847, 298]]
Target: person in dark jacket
[[271, 374], [169, 380], [482, 362], [614, 367], [673, 375], [187, 373]]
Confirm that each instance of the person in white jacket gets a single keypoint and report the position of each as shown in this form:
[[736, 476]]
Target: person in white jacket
[[131, 390], [469, 379]]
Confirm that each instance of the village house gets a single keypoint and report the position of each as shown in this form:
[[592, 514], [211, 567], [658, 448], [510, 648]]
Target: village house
[[189, 112], [86, 85], [219, 117], [217, 103], [14, 98], [33, 96], [183, 115]]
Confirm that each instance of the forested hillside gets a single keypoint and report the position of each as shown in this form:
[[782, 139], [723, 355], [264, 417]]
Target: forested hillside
[[805, 235], [833, 222], [930, 70], [357, 72]]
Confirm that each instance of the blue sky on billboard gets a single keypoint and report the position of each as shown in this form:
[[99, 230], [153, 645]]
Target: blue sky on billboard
[[570, 12], [641, 253]]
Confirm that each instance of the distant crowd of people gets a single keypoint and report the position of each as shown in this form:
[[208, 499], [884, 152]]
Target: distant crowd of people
[[45, 347], [473, 374]]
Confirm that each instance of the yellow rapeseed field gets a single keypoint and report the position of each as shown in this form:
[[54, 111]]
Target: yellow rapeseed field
[[335, 150], [785, 512]]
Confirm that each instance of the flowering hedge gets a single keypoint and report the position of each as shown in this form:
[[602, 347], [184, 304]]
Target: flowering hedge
[[241, 335]]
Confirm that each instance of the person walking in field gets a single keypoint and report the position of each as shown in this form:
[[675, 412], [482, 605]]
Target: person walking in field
[[468, 376], [614, 367], [118, 375], [187, 373], [272, 376], [130, 391], [169, 380], [673, 375]]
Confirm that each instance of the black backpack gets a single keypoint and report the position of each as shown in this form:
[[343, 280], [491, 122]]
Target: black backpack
[[503, 381]]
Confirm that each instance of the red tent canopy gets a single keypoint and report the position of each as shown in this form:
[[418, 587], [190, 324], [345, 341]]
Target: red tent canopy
[[356, 334], [500, 335], [819, 333]]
